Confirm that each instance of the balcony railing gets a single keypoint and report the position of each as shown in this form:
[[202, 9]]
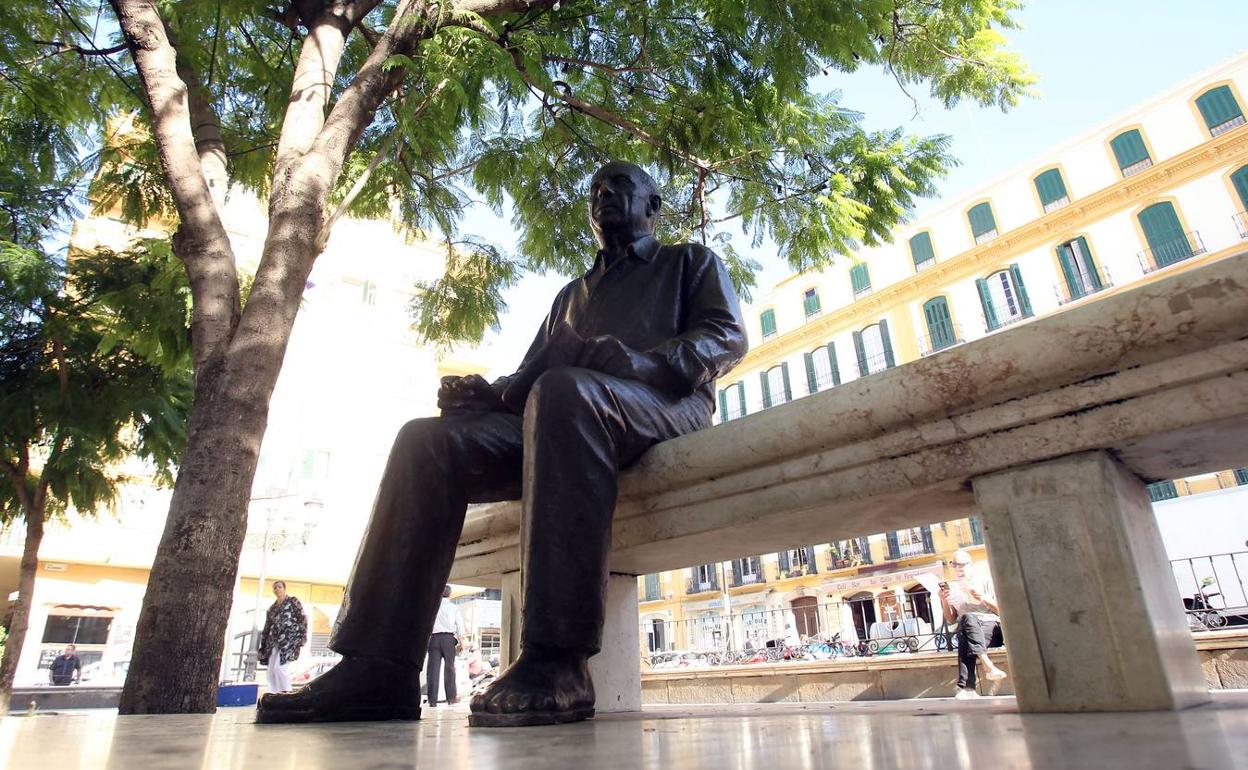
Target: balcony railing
[[1005, 316], [986, 235], [1171, 252], [1213, 589], [754, 578], [1137, 167], [733, 413], [1241, 223], [1086, 286], [931, 343], [873, 365], [1056, 204], [695, 586], [1222, 128]]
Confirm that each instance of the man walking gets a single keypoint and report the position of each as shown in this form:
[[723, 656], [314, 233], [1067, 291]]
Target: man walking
[[447, 628], [627, 358], [65, 668]]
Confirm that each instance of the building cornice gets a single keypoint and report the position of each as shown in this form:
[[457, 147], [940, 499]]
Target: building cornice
[[1198, 161]]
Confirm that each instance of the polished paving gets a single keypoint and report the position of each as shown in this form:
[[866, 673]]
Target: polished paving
[[940, 734]]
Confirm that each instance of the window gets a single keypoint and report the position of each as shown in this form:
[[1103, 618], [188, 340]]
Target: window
[[76, 629], [768, 321], [940, 331], [655, 636], [702, 578], [915, 541], [1052, 190], [732, 402], [1162, 490], [860, 279], [797, 561], [775, 383], [821, 369], [1241, 476], [810, 303], [315, 464], [1003, 297], [805, 616], [747, 571], [1220, 110], [652, 587], [874, 349], [1131, 152], [983, 224], [1239, 180], [921, 251], [1167, 243], [1082, 277]]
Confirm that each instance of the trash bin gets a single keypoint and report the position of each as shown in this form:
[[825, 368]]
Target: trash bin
[[237, 694]]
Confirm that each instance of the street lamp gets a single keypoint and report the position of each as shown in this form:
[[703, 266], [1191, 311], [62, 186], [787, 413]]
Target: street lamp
[[274, 540]]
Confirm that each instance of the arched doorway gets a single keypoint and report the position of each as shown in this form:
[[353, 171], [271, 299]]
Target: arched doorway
[[862, 607], [919, 603], [806, 615]]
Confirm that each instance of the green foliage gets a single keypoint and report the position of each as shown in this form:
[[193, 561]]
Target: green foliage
[[95, 367], [713, 96]]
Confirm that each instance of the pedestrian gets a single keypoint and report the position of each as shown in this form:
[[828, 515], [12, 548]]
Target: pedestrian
[[971, 601], [285, 631], [442, 643], [65, 668]]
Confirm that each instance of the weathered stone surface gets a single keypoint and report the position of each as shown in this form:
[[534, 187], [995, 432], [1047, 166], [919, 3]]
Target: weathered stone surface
[[700, 690], [842, 686], [1232, 667], [653, 691], [770, 689]]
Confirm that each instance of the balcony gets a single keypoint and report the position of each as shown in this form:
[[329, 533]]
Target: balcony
[[874, 365], [1241, 223], [1085, 286], [1170, 252], [925, 264], [695, 586], [1005, 315], [1054, 205], [1137, 167], [985, 236], [1222, 128], [931, 343], [754, 578]]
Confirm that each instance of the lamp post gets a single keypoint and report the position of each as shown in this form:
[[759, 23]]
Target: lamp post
[[275, 541], [727, 600]]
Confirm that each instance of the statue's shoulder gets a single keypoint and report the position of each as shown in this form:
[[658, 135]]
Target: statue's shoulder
[[694, 253]]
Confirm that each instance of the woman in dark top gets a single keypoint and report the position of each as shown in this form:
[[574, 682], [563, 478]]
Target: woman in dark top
[[285, 631]]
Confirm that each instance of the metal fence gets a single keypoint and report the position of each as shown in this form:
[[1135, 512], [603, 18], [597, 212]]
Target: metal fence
[[1213, 589]]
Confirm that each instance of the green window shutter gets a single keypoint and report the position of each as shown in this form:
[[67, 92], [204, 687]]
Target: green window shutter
[[768, 320], [862, 355], [741, 396], [836, 370], [894, 547], [981, 219], [810, 304], [1069, 271], [783, 558], [812, 380], [1050, 186], [723, 405], [766, 389], [784, 375], [1129, 148], [652, 586], [921, 249], [985, 299], [736, 572], [889, 361], [1164, 233], [1095, 275], [1162, 490], [860, 277], [1218, 106], [1241, 476], [939, 323], [1239, 180], [1024, 303]]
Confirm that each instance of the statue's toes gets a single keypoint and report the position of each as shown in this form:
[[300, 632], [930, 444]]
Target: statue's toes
[[515, 702], [545, 702]]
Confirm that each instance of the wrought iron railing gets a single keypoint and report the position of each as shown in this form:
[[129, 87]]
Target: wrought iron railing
[[1086, 284], [1241, 223], [1137, 167], [933, 342], [1170, 252], [1054, 205], [1005, 314], [1222, 128], [1213, 589], [986, 235], [696, 586]]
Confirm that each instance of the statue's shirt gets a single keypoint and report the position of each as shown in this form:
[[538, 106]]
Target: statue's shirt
[[676, 301]]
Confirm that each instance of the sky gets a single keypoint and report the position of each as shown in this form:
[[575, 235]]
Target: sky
[[1094, 59]]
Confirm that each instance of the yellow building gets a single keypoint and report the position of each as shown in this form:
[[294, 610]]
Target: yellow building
[[1160, 189]]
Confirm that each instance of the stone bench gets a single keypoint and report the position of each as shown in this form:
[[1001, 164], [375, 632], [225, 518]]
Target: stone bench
[[1048, 429]]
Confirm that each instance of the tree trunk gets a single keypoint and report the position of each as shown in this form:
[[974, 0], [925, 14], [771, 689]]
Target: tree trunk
[[21, 608], [178, 642]]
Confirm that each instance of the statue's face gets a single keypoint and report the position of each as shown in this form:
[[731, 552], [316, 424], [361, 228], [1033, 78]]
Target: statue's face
[[620, 201]]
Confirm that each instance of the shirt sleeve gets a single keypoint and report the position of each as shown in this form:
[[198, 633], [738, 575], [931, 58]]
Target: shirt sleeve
[[713, 341]]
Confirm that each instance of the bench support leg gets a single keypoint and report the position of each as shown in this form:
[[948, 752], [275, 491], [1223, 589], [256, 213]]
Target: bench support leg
[[616, 668], [1091, 614]]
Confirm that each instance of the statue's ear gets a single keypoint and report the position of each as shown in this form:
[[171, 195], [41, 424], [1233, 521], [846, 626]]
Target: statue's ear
[[654, 205]]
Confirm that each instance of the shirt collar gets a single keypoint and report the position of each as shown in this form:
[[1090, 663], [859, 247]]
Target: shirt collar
[[644, 248]]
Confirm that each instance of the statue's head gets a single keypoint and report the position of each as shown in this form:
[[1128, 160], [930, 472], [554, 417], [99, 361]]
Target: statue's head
[[624, 202]]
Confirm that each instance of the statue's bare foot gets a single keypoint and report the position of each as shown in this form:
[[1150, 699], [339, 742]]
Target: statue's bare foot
[[543, 687]]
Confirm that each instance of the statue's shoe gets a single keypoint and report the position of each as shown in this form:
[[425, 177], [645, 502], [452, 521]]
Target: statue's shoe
[[355, 690], [538, 689]]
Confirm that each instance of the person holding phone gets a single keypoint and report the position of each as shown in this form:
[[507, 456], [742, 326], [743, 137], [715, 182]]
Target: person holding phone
[[970, 601]]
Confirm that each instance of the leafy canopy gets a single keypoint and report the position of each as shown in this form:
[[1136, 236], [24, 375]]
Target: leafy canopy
[[712, 96]]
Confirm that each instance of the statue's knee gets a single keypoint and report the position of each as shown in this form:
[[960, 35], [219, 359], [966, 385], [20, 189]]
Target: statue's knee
[[420, 434], [562, 388]]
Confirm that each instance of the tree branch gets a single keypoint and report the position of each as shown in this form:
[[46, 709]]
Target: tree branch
[[200, 241]]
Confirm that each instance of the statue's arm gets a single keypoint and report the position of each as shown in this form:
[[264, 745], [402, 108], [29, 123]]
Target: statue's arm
[[713, 341]]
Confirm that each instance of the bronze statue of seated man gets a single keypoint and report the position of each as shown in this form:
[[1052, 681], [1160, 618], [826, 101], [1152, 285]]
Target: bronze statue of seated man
[[627, 358]]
